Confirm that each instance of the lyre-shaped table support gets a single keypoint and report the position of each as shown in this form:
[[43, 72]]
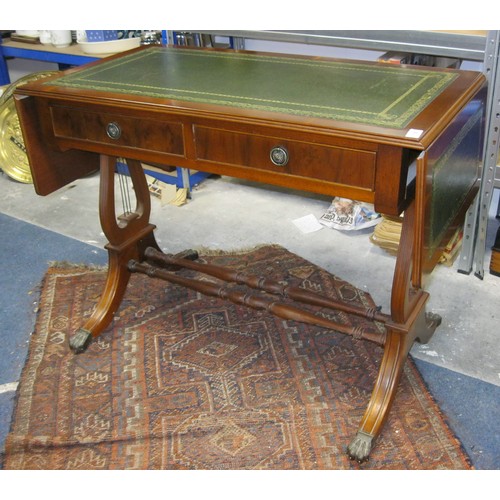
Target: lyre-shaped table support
[[128, 237]]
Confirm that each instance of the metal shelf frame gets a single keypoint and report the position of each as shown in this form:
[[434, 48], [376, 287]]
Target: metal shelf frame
[[476, 224], [444, 44], [38, 53]]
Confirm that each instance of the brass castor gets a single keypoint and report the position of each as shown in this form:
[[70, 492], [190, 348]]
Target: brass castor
[[80, 341], [359, 448]]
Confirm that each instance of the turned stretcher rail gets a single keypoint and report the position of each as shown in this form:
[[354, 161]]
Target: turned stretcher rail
[[267, 285], [256, 301]]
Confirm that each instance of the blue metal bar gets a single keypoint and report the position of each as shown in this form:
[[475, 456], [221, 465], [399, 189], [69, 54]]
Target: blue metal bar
[[4, 70], [64, 60], [41, 55]]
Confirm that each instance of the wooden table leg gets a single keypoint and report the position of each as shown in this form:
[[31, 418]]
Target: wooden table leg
[[128, 238], [409, 322]]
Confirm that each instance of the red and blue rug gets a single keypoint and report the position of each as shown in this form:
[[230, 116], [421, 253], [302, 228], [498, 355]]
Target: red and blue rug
[[184, 381]]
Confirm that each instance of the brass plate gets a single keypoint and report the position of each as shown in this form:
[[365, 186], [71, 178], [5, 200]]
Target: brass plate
[[13, 158]]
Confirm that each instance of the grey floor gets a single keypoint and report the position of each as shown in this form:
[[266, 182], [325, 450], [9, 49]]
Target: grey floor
[[225, 213]]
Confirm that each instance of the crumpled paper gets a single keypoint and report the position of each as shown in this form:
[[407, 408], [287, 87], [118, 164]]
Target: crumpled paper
[[349, 215]]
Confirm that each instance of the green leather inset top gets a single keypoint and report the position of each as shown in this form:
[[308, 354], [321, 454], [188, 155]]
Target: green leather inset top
[[382, 95]]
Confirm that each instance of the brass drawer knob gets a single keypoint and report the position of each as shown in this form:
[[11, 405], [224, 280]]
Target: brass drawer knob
[[113, 130], [279, 156]]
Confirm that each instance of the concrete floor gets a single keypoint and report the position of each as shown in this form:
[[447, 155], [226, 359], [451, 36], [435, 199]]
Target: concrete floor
[[225, 213]]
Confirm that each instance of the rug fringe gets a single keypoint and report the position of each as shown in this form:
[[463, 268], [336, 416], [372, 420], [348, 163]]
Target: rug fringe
[[64, 264], [214, 252]]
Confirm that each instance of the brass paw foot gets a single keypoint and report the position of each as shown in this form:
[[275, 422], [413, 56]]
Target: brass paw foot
[[80, 341], [426, 331], [432, 320], [360, 447]]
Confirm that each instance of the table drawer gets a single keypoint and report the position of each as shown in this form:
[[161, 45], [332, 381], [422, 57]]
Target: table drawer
[[143, 134], [339, 165]]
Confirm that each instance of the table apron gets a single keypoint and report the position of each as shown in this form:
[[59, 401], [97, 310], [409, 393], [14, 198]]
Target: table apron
[[316, 162]]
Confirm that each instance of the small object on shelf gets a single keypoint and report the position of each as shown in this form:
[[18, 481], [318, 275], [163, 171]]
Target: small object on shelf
[[30, 33], [110, 47], [151, 37], [395, 58], [25, 37], [129, 34], [46, 37], [61, 38], [101, 35]]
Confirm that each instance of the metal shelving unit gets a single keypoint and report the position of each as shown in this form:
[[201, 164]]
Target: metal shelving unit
[[476, 225], [470, 46], [68, 56]]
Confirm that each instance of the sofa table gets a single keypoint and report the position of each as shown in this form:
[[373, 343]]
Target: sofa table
[[407, 139]]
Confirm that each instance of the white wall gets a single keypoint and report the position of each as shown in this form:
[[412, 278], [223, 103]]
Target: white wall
[[311, 50]]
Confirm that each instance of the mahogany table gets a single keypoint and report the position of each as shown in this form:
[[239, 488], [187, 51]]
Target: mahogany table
[[404, 138]]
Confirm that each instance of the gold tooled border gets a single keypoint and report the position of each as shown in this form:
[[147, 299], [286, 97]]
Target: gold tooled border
[[84, 79]]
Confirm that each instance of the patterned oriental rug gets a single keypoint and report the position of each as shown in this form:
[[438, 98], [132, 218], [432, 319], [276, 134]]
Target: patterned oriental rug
[[185, 381]]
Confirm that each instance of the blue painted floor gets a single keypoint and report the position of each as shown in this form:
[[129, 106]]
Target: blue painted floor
[[471, 406], [26, 251]]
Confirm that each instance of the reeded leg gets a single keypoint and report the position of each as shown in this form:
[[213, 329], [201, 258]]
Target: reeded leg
[[409, 322], [398, 344], [395, 352], [114, 289], [128, 238]]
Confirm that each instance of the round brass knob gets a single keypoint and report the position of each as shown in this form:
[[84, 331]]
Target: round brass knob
[[279, 156], [113, 130]]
